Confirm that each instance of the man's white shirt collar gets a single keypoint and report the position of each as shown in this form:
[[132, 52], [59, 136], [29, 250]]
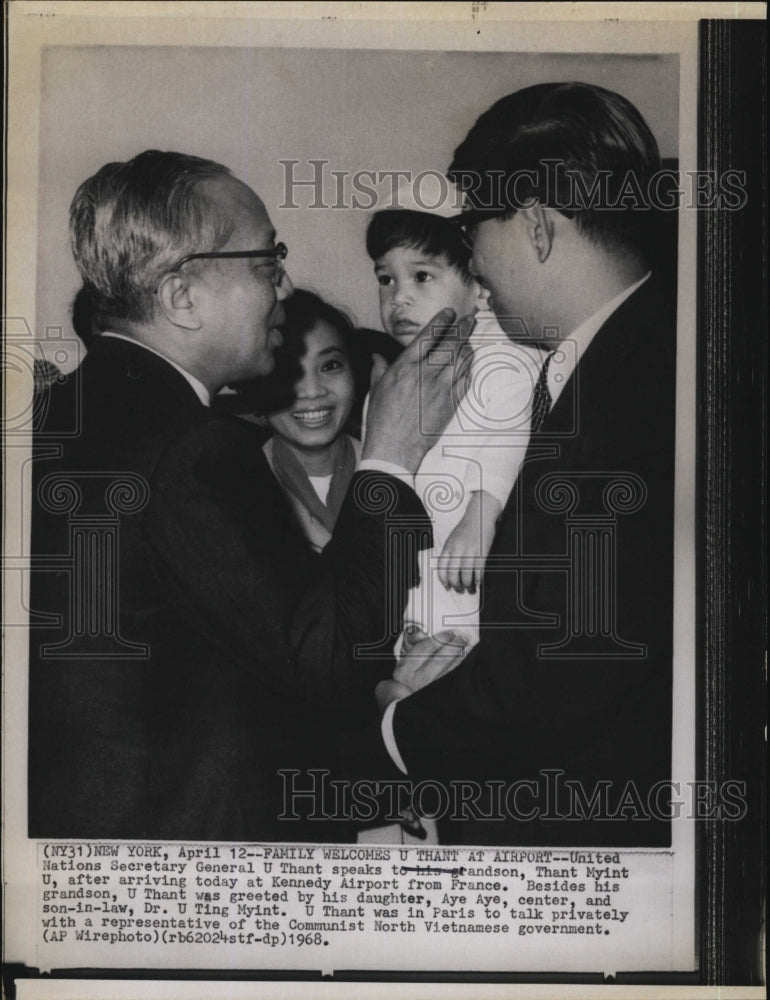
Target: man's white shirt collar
[[197, 386], [567, 356]]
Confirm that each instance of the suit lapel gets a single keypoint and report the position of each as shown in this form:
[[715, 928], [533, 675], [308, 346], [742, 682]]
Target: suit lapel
[[578, 415]]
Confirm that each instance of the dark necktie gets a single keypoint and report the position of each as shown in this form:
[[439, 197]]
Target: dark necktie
[[541, 398]]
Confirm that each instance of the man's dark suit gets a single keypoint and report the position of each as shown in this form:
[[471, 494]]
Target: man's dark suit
[[248, 634], [511, 710]]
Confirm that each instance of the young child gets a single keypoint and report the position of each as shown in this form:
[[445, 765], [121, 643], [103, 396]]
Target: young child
[[309, 453], [421, 266]]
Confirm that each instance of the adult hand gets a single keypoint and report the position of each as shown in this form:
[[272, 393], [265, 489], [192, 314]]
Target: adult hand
[[379, 367], [411, 403], [425, 658], [388, 691]]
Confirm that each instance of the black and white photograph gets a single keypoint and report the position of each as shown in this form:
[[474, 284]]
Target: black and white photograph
[[383, 566]]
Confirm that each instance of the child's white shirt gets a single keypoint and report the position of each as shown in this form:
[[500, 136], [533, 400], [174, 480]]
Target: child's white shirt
[[482, 448]]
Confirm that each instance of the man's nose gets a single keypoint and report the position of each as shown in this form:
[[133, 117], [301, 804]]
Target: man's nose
[[477, 276], [285, 287]]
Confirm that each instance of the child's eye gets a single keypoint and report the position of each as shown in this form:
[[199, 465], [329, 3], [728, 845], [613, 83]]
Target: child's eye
[[332, 366], [384, 279], [422, 276]]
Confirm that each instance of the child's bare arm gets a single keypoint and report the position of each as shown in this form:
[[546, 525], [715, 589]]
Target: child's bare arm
[[461, 563]]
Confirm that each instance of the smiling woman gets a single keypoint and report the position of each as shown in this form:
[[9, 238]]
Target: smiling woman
[[313, 393]]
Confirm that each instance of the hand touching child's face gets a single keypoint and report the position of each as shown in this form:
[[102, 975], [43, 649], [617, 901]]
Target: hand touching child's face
[[414, 286]]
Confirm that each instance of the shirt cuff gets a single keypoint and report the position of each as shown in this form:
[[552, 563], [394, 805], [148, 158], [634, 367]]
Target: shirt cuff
[[375, 465], [390, 739]]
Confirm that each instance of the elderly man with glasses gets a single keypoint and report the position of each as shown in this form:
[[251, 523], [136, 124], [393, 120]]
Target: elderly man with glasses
[[186, 645]]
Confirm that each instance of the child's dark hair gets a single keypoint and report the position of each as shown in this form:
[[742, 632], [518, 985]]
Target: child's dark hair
[[432, 234]]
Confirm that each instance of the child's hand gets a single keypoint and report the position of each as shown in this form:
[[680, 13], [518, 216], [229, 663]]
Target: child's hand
[[461, 563], [459, 566]]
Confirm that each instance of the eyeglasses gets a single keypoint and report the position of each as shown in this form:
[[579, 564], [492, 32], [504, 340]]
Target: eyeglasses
[[467, 221], [277, 254]]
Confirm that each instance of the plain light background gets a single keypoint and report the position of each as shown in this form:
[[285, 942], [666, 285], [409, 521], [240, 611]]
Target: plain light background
[[251, 108]]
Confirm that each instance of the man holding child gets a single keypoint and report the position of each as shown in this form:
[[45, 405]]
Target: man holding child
[[560, 718]]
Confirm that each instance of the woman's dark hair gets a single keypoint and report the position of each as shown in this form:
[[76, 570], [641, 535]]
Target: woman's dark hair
[[83, 318], [303, 310], [432, 234], [274, 392]]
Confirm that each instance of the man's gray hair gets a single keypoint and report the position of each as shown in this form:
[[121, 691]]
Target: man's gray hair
[[131, 222]]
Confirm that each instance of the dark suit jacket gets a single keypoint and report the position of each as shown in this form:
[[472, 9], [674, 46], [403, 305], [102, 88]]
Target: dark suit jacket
[[587, 689], [186, 644]]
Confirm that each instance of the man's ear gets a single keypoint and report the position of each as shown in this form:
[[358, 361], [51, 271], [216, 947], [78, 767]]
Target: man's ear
[[178, 301], [539, 229]]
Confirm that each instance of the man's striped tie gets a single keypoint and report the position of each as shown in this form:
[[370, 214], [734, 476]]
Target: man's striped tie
[[541, 399]]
